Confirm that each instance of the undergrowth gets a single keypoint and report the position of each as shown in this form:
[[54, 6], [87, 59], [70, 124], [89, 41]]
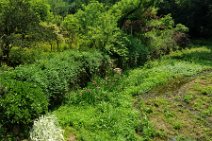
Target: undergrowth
[[106, 109]]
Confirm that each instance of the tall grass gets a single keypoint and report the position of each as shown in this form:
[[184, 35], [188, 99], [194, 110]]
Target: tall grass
[[104, 110]]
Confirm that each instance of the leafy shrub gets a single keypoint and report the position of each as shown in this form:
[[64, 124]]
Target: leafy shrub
[[138, 52], [4, 67], [69, 70], [162, 36], [21, 103], [60, 72], [46, 128], [28, 91], [180, 37], [159, 38], [19, 56]]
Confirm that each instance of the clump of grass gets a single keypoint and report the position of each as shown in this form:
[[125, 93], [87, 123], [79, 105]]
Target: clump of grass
[[187, 98]]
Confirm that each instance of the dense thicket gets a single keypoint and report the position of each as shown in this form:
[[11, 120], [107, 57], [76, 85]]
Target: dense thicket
[[126, 30], [195, 14], [30, 90]]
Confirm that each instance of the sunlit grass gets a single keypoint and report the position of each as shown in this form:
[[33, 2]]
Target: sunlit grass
[[106, 109]]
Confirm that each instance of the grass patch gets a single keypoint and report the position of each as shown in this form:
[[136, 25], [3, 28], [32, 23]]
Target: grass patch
[[142, 104]]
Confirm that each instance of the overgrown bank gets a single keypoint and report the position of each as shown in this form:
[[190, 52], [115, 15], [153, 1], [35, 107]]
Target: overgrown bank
[[30, 90], [107, 108], [112, 108]]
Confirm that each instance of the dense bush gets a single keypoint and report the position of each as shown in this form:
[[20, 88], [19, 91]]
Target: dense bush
[[19, 56], [138, 52], [164, 36], [27, 91], [180, 36], [59, 72], [20, 102], [199, 20]]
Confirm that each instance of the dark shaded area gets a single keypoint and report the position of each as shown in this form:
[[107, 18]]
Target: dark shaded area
[[195, 14]]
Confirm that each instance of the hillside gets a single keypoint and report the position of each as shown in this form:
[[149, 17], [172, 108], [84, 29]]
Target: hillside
[[105, 70], [168, 99]]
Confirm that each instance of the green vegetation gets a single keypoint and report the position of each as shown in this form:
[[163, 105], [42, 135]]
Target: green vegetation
[[107, 69], [126, 107], [199, 22], [29, 90]]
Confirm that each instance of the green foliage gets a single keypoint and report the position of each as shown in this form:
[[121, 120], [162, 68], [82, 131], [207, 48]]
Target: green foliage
[[107, 110], [29, 90], [41, 9], [59, 7], [19, 56], [21, 103], [51, 33], [18, 21], [187, 98], [18, 17], [125, 31], [20, 24], [92, 26], [95, 26], [181, 28], [61, 72], [198, 21], [98, 112], [138, 52], [164, 36]]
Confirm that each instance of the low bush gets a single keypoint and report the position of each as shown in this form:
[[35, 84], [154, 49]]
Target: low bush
[[180, 37], [164, 36], [59, 72], [20, 102], [27, 91], [20, 55]]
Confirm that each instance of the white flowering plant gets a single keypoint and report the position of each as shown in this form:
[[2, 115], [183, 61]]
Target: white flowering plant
[[46, 128]]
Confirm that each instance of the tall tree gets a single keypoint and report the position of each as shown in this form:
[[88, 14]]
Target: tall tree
[[19, 18]]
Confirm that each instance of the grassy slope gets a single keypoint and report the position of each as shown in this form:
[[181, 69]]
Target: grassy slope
[[181, 110], [143, 103]]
